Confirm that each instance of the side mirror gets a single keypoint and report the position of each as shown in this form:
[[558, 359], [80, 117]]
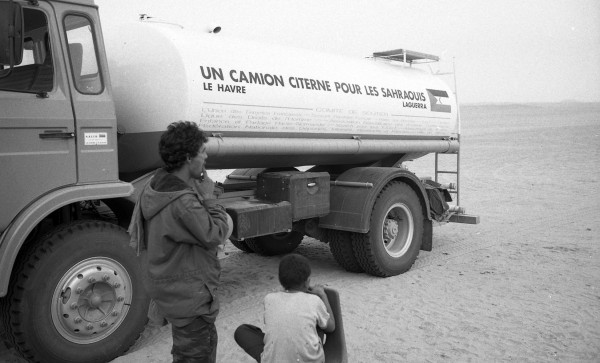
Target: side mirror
[[11, 33]]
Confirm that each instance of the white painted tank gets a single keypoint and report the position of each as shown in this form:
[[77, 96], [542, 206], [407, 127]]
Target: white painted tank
[[269, 106]]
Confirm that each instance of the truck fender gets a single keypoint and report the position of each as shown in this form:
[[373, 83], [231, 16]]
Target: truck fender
[[14, 236], [350, 207]]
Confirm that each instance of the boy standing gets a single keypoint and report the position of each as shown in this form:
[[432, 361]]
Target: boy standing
[[291, 318]]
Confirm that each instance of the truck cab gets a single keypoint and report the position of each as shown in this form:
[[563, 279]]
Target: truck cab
[[69, 283], [58, 118]]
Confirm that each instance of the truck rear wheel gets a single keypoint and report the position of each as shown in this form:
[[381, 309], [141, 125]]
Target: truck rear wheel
[[396, 230], [275, 244], [241, 245], [77, 296], [340, 245]]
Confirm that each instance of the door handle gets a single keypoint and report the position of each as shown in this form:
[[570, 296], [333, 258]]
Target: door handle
[[57, 135]]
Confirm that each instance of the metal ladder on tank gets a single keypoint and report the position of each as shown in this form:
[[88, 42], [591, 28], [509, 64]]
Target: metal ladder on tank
[[453, 189], [458, 213], [456, 172]]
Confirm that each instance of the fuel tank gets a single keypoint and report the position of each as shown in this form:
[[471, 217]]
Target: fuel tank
[[269, 106]]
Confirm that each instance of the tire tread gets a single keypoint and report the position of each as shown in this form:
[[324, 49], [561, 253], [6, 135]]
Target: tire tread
[[340, 245]]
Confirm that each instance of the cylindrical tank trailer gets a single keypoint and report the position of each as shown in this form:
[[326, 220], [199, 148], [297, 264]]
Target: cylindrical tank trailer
[[269, 106]]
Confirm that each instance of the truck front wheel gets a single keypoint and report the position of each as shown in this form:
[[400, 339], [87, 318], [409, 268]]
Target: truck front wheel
[[396, 230], [77, 296]]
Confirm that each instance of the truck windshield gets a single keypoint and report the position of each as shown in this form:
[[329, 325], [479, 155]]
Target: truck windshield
[[82, 54], [35, 73]]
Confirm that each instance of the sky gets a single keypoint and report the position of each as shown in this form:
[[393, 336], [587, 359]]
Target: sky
[[502, 51]]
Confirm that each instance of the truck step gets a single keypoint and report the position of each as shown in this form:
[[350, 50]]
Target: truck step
[[464, 218]]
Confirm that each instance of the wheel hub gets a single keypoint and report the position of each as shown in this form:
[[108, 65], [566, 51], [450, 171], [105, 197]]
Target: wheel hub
[[397, 230], [95, 300], [91, 300], [390, 229]]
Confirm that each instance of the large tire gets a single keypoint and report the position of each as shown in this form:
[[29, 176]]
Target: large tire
[[275, 244], [340, 245], [395, 233], [241, 245], [77, 296]]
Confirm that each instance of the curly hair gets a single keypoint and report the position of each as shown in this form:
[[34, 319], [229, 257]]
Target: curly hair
[[182, 139], [294, 270]]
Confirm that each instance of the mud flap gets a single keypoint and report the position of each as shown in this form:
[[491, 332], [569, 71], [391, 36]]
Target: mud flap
[[427, 243]]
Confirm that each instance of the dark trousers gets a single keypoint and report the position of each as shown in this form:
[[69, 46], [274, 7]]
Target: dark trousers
[[195, 342], [251, 339]]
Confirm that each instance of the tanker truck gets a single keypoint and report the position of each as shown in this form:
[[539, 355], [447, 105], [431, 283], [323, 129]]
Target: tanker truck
[[317, 145]]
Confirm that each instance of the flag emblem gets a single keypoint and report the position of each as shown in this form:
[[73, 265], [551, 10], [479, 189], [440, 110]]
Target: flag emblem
[[439, 101]]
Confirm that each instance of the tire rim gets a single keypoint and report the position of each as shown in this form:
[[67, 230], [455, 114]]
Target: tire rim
[[91, 300], [397, 230]]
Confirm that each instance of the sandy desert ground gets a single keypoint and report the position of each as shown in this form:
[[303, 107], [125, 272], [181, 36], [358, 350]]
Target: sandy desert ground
[[523, 285]]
